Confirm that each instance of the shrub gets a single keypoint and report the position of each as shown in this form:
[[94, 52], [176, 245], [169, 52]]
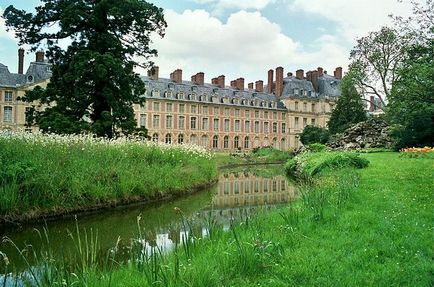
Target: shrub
[[316, 147], [314, 134]]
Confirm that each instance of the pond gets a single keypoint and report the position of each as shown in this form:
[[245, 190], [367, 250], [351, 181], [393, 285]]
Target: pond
[[238, 193]]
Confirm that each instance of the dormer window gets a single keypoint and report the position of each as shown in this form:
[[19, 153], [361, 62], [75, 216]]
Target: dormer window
[[155, 93], [30, 79]]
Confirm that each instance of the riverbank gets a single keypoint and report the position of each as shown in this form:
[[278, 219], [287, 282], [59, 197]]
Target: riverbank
[[44, 176], [367, 227]]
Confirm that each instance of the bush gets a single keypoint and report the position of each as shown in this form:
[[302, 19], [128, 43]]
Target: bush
[[314, 134], [316, 147]]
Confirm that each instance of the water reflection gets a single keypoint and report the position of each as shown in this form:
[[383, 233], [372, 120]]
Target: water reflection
[[238, 194]]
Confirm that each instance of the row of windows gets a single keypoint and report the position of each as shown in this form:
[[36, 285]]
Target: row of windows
[[237, 141], [205, 124], [245, 186], [305, 107], [216, 99], [205, 110], [305, 123]]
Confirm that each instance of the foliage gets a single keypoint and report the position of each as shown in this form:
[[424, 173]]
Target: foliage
[[314, 134], [349, 108], [381, 216], [307, 165], [93, 85], [316, 147], [51, 173]]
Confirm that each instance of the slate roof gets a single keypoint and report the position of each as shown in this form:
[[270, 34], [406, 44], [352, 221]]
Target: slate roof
[[328, 86], [37, 72]]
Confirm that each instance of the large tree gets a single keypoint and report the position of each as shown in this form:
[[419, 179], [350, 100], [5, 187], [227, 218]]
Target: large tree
[[350, 109], [94, 86]]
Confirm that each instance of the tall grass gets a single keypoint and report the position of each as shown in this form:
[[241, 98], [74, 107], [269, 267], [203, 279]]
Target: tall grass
[[45, 174]]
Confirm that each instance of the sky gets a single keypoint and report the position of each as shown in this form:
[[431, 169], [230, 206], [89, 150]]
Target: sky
[[246, 38]]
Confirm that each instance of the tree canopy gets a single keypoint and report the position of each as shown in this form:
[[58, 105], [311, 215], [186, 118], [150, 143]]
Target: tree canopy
[[93, 86], [314, 134], [350, 109]]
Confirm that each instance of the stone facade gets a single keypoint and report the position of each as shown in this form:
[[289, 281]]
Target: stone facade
[[217, 116]]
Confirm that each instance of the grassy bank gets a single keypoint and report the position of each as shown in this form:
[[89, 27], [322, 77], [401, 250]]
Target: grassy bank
[[367, 227], [46, 175]]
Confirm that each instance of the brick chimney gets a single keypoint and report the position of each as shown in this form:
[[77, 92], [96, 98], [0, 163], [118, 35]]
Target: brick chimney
[[40, 56], [279, 81], [153, 73], [338, 73], [21, 61], [234, 84], [314, 80], [200, 78], [221, 81], [309, 76], [371, 104], [299, 74], [250, 86], [240, 84], [270, 81], [176, 76], [320, 72], [214, 81], [260, 86], [193, 79]]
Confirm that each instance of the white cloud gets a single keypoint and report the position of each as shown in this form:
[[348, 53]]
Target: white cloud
[[355, 17], [239, 4], [247, 45]]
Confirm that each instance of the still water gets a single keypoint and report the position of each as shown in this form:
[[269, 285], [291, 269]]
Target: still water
[[238, 193]]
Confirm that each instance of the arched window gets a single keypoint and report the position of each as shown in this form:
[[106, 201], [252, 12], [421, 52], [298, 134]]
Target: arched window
[[236, 142], [274, 142], [155, 137], [283, 144], [181, 139], [256, 142], [246, 142], [215, 142], [204, 141], [193, 139], [226, 142], [168, 138]]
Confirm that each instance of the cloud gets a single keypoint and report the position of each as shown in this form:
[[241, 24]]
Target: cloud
[[219, 6], [247, 45], [3, 33], [355, 18]]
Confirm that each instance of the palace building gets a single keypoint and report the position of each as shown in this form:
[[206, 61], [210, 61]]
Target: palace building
[[217, 116]]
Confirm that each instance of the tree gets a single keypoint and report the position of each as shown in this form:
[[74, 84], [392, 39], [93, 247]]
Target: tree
[[314, 134], [93, 86], [350, 108], [375, 60]]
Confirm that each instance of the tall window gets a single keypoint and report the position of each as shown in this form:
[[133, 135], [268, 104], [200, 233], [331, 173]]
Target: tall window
[[304, 122], [156, 121], [193, 109], [204, 141], [180, 139], [226, 125], [296, 106], [304, 107], [156, 106], [237, 125], [275, 115], [8, 96], [246, 142], [266, 115], [256, 114], [247, 113], [216, 124], [236, 142], [237, 112], [283, 128], [168, 138], [142, 119], [169, 107], [193, 139], [226, 142], [169, 122], [227, 112], [181, 123], [274, 127], [216, 110], [247, 126], [155, 137], [296, 122], [181, 108], [256, 126], [215, 142], [313, 108], [205, 110], [193, 122], [266, 127], [312, 121], [205, 124], [7, 115]]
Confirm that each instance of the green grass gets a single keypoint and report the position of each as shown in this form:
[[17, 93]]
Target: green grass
[[44, 175], [367, 227]]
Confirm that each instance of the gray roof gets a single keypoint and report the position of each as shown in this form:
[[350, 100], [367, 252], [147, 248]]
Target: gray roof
[[214, 93], [296, 87], [328, 86], [37, 72]]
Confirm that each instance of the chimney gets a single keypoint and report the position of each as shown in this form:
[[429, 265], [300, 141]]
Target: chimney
[[200, 78], [289, 74], [221, 81], [233, 84], [314, 80], [338, 73], [371, 104], [270, 81], [299, 74], [21, 61], [279, 81], [214, 81], [309, 76], [193, 79], [259, 86], [40, 55], [240, 84], [325, 72], [176, 76], [320, 72], [153, 73], [250, 86]]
